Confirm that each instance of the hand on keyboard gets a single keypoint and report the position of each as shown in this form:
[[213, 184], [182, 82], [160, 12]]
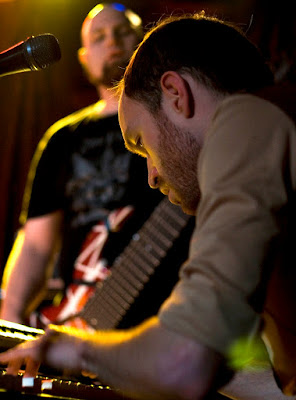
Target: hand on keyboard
[[59, 347]]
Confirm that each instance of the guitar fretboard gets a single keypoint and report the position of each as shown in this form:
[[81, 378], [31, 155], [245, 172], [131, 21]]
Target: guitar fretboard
[[134, 267]]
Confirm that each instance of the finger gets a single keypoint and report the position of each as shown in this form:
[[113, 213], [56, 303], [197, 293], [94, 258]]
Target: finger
[[18, 354], [14, 366], [88, 374], [32, 367], [10, 355]]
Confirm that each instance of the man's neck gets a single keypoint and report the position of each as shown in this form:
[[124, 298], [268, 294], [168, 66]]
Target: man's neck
[[109, 99]]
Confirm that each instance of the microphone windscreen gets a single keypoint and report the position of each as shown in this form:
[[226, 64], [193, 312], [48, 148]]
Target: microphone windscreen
[[44, 49]]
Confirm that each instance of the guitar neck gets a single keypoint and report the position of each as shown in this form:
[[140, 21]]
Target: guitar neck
[[134, 267]]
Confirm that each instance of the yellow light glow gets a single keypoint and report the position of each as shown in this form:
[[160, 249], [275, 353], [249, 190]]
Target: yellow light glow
[[134, 19], [17, 246], [248, 354], [95, 11]]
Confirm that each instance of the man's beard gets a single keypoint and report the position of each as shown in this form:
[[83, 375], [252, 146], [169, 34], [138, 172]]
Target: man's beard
[[178, 152], [111, 74]]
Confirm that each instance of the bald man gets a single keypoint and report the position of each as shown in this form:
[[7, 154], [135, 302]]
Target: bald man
[[80, 173]]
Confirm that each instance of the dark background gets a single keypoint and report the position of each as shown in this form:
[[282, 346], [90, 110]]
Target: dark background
[[30, 102]]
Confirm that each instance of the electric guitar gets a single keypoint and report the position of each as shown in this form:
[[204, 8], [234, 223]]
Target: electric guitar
[[100, 295]]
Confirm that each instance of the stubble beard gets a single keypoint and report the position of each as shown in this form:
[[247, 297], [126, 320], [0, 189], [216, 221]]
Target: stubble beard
[[178, 153]]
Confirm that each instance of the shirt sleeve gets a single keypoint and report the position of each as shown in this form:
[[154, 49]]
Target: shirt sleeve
[[45, 186], [243, 173]]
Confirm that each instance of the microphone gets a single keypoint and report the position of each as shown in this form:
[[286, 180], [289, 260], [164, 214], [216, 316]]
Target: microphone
[[33, 54]]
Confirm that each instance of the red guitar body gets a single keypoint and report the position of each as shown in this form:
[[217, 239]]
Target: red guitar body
[[89, 270]]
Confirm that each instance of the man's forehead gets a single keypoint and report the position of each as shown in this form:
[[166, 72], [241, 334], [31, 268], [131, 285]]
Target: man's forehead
[[105, 18], [123, 110], [128, 112], [128, 106]]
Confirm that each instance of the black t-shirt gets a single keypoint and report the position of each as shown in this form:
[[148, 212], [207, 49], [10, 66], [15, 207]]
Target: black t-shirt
[[82, 167]]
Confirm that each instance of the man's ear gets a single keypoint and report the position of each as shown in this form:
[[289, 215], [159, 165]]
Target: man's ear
[[178, 93], [81, 55]]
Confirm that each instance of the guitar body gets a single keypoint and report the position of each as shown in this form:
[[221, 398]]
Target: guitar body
[[90, 269], [123, 294]]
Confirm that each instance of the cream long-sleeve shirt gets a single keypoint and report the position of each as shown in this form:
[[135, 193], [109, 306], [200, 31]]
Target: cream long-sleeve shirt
[[242, 264]]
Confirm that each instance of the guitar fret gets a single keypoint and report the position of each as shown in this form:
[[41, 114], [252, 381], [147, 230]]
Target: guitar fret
[[126, 302], [112, 322], [104, 315], [105, 318], [145, 260], [176, 215], [135, 271], [126, 284], [136, 287], [135, 261], [113, 304], [171, 225], [124, 294], [132, 279], [162, 233], [113, 293], [109, 311], [98, 295], [167, 222], [161, 252], [146, 265], [157, 234], [144, 249], [167, 230], [100, 324]]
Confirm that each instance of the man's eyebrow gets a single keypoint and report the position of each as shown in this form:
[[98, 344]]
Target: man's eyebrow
[[117, 26], [129, 145], [97, 30]]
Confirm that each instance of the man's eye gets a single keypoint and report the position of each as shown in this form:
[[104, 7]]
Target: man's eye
[[125, 31], [97, 38], [139, 147], [139, 142]]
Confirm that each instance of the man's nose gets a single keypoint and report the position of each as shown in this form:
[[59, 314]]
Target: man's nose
[[153, 179], [113, 38]]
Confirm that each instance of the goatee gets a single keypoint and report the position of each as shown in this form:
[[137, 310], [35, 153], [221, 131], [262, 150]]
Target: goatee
[[111, 74]]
